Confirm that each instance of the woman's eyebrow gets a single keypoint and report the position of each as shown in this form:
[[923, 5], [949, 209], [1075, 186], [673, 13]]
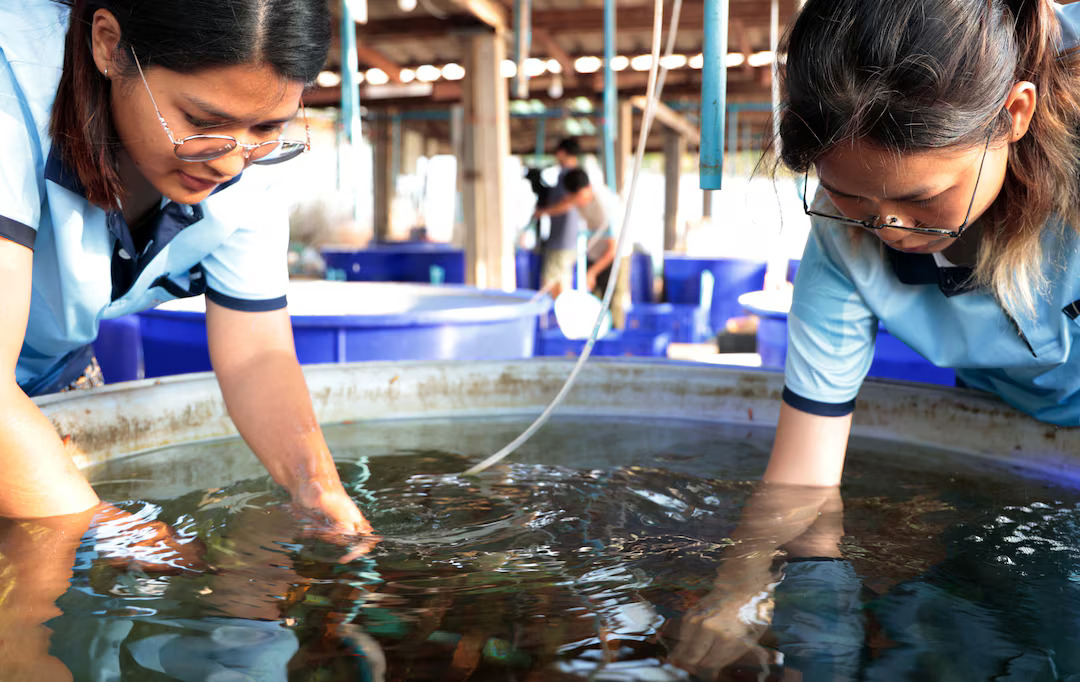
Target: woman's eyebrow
[[923, 193], [213, 112], [209, 109]]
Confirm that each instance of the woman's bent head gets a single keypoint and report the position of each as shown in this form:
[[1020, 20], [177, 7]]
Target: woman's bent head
[[914, 110], [220, 67]]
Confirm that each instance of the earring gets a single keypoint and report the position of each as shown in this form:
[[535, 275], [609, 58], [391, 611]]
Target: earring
[[106, 73]]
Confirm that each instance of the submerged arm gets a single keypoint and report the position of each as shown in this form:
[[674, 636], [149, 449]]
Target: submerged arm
[[255, 361]]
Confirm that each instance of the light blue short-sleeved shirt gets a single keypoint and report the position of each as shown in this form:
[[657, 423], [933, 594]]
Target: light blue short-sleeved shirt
[[845, 286], [87, 265]]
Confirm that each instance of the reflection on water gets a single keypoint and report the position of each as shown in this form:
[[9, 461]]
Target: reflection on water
[[582, 560]]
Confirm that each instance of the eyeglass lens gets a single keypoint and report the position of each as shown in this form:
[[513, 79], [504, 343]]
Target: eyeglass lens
[[210, 148]]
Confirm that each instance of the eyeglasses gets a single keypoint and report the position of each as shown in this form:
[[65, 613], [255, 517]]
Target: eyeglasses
[[920, 230], [196, 148]]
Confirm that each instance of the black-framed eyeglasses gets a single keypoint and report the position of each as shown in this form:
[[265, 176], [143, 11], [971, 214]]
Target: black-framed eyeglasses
[[920, 230], [198, 148]]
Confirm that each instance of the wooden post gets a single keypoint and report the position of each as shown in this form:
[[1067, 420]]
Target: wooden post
[[706, 203], [383, 171], [674, 150], [624, 154], [489, 257]]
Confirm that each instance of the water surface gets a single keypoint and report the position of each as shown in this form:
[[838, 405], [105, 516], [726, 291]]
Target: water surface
[[575, 561]]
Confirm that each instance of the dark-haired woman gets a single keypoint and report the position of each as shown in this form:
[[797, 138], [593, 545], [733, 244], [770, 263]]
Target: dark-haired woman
[[125, 127], [946, 138]]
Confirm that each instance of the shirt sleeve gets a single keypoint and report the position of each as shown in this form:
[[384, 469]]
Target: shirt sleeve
[[831, 331], [22, 174], [250, 270]]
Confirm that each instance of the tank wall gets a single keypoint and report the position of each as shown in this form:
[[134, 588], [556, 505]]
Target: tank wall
[[129, 418]]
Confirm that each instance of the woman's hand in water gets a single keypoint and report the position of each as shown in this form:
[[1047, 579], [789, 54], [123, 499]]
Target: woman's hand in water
[[728, 622], [125, 540], [341, 520]]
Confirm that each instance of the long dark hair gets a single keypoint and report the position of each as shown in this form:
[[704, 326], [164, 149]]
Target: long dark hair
[[913, 75], [292, 36]]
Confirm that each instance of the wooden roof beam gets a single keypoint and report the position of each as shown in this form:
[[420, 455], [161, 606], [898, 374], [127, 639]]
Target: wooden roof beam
[[374, 57], [667, 117], [555, 51]]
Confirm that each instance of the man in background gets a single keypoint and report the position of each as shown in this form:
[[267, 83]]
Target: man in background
[[571, 206]]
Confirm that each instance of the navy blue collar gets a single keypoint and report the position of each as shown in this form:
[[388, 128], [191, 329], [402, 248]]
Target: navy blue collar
[[921, 268], [56, 171], [130, 257]]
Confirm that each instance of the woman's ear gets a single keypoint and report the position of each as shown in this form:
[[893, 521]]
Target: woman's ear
[[1021, 107], [104, 37]]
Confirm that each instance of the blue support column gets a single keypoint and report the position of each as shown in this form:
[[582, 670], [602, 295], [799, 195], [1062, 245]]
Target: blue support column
[[713, 95], [541, 140], [611, 114], [350, 94]]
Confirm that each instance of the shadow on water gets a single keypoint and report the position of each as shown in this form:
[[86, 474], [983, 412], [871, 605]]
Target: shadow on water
[[590, 557]]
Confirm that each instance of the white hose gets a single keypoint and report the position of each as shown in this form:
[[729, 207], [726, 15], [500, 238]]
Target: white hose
[[657, 74]]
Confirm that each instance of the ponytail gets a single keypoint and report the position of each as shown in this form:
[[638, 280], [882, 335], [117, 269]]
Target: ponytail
[[81, 125]]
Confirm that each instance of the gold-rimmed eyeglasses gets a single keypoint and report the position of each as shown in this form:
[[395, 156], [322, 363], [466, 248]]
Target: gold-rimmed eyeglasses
[[198, 148]]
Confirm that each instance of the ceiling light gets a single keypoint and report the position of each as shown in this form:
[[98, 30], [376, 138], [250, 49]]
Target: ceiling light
[[587, 64], [453, 72], [673, 61], [760, 58], [427, 73], [535, 67], [328, 79], [377, 76]]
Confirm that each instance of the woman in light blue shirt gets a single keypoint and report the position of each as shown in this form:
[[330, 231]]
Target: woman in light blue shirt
[[125, 127], [946, 138]]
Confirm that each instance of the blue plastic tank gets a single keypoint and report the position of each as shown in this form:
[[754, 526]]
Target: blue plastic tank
[[422, 262], [118, 349], [893, 359], [733, 277], [357, 321]]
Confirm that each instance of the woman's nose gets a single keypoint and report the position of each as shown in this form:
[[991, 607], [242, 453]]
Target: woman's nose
[[890, 230], [232, 164]]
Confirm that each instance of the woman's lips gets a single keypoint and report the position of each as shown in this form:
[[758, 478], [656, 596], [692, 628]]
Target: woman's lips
[[195, 184]]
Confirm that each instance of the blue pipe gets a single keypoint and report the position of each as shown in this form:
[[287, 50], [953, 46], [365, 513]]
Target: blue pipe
[[350, 94], [713, 95], [611, 115], [541, 140]]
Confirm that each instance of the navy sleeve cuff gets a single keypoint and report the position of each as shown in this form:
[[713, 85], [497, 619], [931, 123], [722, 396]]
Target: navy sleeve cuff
[[244, 304], [17, 232], [816, 407]]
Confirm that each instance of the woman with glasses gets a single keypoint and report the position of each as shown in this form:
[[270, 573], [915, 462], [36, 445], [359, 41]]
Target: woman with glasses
[[945, 136], [125, 128]]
